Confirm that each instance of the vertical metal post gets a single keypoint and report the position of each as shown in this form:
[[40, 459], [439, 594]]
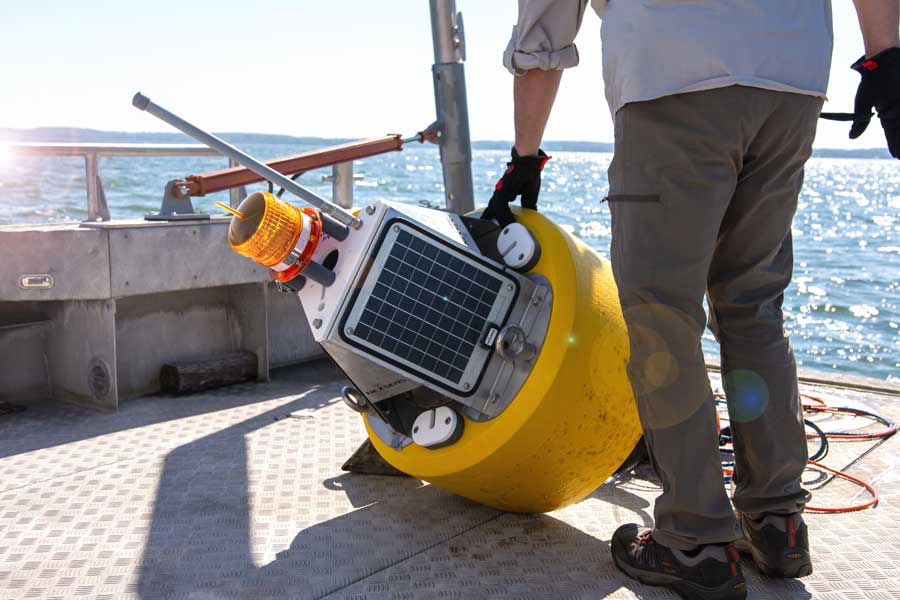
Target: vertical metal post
[[450, 103], [96, 198], [342, 184], [235, 195]]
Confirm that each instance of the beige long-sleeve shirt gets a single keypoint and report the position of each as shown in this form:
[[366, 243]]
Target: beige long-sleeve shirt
[[656, 48]]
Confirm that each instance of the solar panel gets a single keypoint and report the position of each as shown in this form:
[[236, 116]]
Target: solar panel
[[428, 307]]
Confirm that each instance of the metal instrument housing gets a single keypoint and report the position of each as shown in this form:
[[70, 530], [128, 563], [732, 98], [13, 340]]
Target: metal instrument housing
[[332, 311]]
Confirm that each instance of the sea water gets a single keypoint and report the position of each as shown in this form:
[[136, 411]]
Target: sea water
[[842, 308]]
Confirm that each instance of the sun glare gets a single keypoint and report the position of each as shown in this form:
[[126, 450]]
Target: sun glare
[[5, 154]]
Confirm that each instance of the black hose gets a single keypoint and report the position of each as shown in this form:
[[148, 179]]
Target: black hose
[[294, 177], [823, 440]]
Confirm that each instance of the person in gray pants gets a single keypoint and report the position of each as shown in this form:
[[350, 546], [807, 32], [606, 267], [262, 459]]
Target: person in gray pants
[[715, 104]]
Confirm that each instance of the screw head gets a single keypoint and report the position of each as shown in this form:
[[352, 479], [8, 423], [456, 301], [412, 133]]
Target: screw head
[[349, 331], [370, 209], [396, 228], [510, 287], [467, 386], [317, 323]]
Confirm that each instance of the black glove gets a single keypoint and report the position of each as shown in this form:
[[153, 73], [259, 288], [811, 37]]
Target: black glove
[[879, 88], [522, 176]]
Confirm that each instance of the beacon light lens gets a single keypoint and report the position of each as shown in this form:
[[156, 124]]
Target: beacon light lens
[[271, 230]]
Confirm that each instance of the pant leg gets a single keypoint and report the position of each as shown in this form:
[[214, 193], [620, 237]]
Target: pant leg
[[751, 268], [672, 178]]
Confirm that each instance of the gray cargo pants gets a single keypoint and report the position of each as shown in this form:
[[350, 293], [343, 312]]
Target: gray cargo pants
[[703, 189]]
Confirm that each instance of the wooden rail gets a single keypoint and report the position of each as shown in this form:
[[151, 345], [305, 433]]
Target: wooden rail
[[216, 181]]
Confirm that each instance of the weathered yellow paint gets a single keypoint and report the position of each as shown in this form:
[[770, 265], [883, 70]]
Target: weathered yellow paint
[[573, 422]]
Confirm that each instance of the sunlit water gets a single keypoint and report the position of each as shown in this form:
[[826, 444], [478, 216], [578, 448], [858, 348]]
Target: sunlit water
[[842, 307]]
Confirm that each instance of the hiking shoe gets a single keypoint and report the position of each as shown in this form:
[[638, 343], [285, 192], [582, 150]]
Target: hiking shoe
[[779, 544], [711, 572]]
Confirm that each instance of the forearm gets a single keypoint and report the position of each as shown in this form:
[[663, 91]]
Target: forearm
[[533, 96], [879, 21]]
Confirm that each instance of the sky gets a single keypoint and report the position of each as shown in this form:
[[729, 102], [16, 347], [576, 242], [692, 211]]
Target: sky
[[350, 68]]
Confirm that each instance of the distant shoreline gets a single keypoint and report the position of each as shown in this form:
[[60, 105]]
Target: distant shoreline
[[75, 134]]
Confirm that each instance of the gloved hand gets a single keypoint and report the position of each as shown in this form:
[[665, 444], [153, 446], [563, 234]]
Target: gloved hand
[[879, 88], [522, 177]]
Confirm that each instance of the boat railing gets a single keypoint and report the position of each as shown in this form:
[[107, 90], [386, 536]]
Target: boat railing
[[341, 177], [97, 207]]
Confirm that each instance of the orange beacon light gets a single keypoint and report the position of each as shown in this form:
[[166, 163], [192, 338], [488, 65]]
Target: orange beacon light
[[278, 236]]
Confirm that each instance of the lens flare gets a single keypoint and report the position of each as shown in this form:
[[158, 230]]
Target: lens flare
[[747, 393]]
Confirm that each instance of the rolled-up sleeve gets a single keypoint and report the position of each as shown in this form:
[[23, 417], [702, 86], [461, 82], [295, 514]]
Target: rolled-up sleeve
[[544, 36]]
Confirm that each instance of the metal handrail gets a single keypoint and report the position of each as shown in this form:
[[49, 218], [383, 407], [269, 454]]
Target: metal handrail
[[81, 149], [342, 176], [98, 210]]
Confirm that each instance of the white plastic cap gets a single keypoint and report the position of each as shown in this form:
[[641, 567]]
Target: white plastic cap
[[518, 247], [437, 427]]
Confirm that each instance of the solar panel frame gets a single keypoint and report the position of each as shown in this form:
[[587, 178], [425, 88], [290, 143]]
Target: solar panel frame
[[395, 315]]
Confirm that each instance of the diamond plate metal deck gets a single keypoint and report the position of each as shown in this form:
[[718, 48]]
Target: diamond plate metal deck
[[224, 495]]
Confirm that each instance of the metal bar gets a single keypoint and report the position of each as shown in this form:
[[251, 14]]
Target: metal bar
[[451, 106], [96, 199], [237, 194], [76, 149], [208, 183], [342, 184], [143, 103]]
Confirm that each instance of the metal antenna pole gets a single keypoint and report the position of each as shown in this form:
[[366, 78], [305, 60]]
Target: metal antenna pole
[[449, 75], [265, 171]]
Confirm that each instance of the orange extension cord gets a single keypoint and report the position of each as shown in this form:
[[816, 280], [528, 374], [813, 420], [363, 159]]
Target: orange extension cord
[[816, 404]]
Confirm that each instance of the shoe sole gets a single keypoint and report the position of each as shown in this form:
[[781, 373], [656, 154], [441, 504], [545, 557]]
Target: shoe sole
[[795, 563], [685, 589]]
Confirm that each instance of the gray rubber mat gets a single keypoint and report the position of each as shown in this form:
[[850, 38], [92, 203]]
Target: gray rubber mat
[[238, 493]]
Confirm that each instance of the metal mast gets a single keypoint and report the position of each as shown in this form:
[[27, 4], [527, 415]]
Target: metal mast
[[448, 72]]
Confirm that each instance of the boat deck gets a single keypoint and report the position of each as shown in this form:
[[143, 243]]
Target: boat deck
[[238, 493]]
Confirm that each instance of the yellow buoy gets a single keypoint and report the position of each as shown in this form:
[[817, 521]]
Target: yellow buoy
[[574, 420]]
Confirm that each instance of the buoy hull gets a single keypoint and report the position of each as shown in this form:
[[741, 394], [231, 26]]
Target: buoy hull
[[574, 420]]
